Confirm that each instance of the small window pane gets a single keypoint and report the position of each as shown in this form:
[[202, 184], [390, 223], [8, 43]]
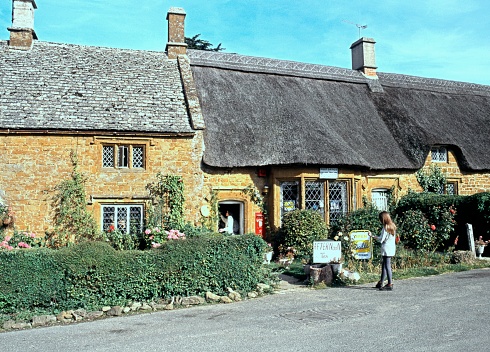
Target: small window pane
[[107, 156], [314, 196], [379, 198], [138, 161], [289, 197], [123, 156], [439, 154], [337, 194]]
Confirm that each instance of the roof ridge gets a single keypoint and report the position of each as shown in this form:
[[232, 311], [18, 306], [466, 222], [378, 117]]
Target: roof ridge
[[275, 66], [449, 86]]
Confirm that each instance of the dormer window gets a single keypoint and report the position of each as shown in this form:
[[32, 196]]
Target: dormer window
[[439, 154]]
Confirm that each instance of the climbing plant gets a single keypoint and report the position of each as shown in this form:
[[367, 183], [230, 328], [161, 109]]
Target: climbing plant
[[432, 179], [73, 222], [167, 193], [255, 197]]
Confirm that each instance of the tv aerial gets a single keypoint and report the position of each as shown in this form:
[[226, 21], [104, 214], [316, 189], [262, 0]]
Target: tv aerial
[[359, 26]]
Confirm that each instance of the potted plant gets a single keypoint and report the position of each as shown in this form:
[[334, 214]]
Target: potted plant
[[268, 254], [286, 256], [480, 245], [7, 215], [336, 264]]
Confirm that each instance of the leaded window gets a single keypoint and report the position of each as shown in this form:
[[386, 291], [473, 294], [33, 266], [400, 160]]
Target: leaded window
[[123, 156], [337, 195], [289, 196], [315, 196], [127, 218], [439, 154]]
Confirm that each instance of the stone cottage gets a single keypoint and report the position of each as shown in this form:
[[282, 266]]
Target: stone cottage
[[304, 136]]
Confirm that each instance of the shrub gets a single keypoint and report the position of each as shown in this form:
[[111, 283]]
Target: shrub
[[299, 229], [92, 274]]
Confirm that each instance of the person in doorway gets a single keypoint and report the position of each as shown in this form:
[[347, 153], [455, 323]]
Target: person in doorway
[[228, 221], [388, 249]]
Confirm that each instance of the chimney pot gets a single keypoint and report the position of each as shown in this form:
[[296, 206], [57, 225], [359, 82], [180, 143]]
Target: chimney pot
[[363, 56], [22, 31], [176, 38]]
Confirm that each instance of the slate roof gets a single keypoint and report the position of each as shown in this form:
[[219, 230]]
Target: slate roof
[[262, 111], [82, 88]]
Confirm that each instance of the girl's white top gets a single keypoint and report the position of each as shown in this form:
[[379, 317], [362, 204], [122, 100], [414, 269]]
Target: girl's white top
[[388, 245]]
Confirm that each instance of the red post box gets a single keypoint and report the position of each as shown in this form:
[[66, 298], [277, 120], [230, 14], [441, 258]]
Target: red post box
[[259, 224]]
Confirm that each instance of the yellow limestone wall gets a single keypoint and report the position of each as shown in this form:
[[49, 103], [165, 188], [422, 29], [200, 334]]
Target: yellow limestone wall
[[33, 165]]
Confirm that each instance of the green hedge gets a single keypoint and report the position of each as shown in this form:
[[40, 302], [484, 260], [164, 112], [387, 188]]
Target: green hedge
[[93, 274], [474, 209]]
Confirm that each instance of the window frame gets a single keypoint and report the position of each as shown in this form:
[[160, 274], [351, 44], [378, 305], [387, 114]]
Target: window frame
[[127, 161], [386, 193], [126, 227], [436, 152], [325, 211]]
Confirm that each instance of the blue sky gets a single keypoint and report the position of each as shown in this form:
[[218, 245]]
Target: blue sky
[[445, 39]]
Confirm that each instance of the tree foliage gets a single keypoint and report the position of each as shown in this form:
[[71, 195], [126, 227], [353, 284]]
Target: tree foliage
[[200, 44]]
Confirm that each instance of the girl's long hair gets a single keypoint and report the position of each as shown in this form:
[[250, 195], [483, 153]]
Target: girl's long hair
[[388, 224]]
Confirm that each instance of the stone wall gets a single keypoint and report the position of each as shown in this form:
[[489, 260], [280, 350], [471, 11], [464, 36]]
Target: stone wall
[[33, 165]]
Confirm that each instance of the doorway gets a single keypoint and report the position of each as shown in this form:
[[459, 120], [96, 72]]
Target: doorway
[[236, 211]]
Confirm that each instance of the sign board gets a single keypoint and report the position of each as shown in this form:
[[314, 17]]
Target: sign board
[[326, 251], [329, 173], [362, 244]]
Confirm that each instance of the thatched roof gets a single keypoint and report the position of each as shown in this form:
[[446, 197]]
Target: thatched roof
[[81, 88], [270, 112]]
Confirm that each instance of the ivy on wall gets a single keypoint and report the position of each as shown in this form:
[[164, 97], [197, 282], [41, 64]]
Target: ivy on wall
[[432, 179], [167, 193], [73, 222]]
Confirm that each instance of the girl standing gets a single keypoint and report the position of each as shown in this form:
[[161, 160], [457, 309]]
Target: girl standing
[[388, 249]]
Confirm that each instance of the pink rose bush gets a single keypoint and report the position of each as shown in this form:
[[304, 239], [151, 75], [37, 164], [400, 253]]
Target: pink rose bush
[[19, 240], [155, 236]]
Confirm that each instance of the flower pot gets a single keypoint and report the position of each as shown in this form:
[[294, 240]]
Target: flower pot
[[285, 262], [7, 221], [479, 250], [336, 268], [268, 257]]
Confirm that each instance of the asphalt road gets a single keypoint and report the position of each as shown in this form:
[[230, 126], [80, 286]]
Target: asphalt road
[[440, 313]]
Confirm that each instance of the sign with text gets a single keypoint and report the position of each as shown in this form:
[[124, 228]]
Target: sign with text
[[362, 244], [329, 173], [326, 251]]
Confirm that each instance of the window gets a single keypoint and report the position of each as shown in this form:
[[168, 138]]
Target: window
[[123, 156], [451, 188], [289, 196], [337, 195], [379, 197], [127, 218], [439, 154], [316, 194]]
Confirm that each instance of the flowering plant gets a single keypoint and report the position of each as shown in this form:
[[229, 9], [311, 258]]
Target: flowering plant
[[155, 236], [286, 252], [269, 248], [480, 242], [22, 239], [175, 235], [6, 215]]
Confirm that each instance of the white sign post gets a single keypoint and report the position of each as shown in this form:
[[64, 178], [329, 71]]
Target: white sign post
[[326, 251], [471, 239]]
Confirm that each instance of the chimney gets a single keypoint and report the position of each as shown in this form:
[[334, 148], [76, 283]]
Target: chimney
[[363, 56], [176, 40], [22, 31]]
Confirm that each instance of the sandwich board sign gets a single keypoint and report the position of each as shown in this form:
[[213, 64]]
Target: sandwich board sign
[[362, 244], [326, 251]]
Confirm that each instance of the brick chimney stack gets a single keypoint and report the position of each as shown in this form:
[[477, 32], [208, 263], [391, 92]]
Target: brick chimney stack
[[176, 40], [363, 56], [22, 31]]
